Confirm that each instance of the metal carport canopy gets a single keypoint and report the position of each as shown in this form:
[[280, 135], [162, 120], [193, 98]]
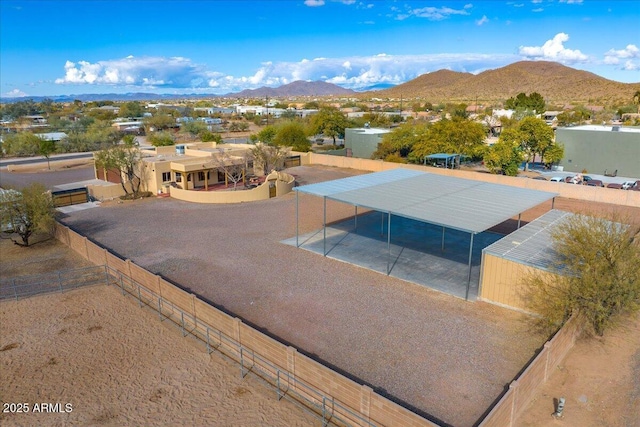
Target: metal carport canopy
[[457, 203]]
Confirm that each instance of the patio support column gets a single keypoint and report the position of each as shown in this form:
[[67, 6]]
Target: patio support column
[[519, 217], [324, 227], [466, 297], [297, 244], [553, 202], [206, 181], [388, 241], [442, 248], [355, 220], [381, 223]]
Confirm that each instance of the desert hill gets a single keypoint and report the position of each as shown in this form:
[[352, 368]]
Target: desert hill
[[557, 83]]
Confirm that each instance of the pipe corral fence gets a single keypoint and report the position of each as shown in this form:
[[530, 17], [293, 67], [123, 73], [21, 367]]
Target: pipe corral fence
[[332, 397]]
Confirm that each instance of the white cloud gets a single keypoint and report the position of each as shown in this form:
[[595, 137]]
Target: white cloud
[[553, 50], [14, 93], [571, 1], [631, 66], [355, 72], [314, 3], [482, 20], [175, 72], [614, 56], [435, 13]]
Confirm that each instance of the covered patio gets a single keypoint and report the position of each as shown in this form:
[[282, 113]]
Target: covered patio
[[425, 228]]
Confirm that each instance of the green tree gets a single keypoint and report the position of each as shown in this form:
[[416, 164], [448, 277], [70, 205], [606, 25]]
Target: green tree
[[328, 121], [21, 144], [596, 274], [194, 127], [27, 212], [125, 160], [208, 136], [536, 136], [161, 139], [131, 109], [452, 136], [291, 134], [553, 154], [636, 100], [46, 148], [503, 157], [267, 134], [159, 121], [400, 141]]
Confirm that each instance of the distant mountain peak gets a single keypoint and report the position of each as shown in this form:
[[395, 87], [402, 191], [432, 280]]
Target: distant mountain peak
[[296, 88]]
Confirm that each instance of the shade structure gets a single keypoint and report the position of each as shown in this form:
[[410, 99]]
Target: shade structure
[[450, 202], [461, 204]]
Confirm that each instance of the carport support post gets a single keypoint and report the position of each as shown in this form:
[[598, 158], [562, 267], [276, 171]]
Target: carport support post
[[388, 241], [469, 279], [355, 220], [324, 227], [519, 217], [297, 244], [442, 239]]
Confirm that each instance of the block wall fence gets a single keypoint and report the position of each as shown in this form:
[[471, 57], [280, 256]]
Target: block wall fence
[[357, 404]]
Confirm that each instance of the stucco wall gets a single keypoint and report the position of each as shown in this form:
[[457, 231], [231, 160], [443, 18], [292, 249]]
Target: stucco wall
[[598, 150], [581, 192]]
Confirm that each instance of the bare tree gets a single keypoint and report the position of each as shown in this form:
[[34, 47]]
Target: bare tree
[[233, 167], [269, 157]]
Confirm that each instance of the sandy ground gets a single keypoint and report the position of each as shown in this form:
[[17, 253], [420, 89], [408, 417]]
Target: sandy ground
[[600, 381], [587, 371], [116, 364]]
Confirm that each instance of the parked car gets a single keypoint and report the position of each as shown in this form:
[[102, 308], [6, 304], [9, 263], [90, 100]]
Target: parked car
[[615, 185], [540, 178], [628, 185], [557, 179], [585, 179], [595, 183]]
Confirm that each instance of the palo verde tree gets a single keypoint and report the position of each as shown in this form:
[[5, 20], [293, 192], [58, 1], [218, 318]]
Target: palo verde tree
[[503, 157], [596, 274], [292, 134], [124, 159], [27, 212]]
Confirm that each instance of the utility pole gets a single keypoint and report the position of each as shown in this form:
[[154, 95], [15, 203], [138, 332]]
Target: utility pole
[[266, 101]]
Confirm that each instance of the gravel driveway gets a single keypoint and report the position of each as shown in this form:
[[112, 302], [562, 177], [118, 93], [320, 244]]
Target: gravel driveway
[[444, 357]]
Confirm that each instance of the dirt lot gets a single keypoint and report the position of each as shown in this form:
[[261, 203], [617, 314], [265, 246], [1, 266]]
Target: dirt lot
[[439, 344], [445, 357], [114, 363]]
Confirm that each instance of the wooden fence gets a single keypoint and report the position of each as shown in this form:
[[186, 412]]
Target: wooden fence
[[339, 399]]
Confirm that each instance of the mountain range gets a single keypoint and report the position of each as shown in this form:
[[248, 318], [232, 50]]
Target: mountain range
[[557, 83]]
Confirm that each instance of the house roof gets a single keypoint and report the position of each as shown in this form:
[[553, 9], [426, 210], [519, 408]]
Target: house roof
[[461, 204]]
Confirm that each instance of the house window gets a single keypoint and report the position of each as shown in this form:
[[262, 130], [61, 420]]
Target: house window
[[201, 176], [166, 176], [178, 177]]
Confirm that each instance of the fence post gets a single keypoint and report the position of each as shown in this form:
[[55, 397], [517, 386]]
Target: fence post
[[365, 401], [514, 390], [208, 344], [291, 365], [182, 321], [547, 349], [15, 290], [139, 296], [60, 281], [121, 283], [160, 308], [106, 274]]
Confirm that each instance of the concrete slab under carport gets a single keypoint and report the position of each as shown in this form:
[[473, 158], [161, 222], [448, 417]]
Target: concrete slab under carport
[[416, 253]]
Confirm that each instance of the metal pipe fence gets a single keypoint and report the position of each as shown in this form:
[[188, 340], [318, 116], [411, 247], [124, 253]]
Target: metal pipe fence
[[19, 287], [286, 385]]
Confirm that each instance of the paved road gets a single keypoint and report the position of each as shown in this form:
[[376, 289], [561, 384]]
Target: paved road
[[40, 159]]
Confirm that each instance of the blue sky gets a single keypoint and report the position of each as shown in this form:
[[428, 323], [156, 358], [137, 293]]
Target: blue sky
[[216, 47]]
